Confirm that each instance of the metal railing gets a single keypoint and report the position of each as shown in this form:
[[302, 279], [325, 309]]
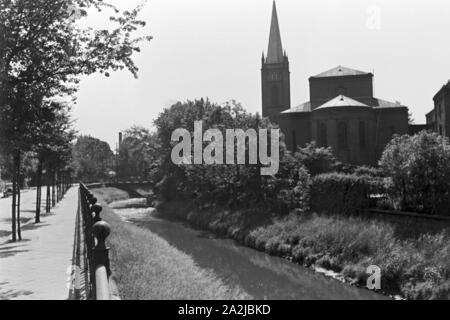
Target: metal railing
[[96, 253]]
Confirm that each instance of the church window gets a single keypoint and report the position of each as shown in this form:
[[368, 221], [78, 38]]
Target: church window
[[274, 76], [323, 142], [342, 136], [275, 96], [362, 135]]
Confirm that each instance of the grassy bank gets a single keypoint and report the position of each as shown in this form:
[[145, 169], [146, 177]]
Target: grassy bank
[[415, 267], [146, 267]]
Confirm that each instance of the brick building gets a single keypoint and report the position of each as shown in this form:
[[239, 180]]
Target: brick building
[[342, 112], [439, 118]]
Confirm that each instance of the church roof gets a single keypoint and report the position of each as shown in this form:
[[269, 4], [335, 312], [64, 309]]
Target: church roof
[[388, 104], [340, 71], [305, 107], [342, 101], [275, 50]]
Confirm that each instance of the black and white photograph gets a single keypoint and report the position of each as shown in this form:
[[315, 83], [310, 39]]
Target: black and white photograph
[[223, 155]]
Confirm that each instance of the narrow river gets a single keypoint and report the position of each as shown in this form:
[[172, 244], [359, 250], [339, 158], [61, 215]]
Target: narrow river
[[261, 275]]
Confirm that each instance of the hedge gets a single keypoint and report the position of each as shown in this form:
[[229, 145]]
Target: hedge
[[348, 194]]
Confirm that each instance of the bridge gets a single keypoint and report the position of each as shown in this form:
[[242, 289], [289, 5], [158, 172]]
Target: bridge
[[136, 188]]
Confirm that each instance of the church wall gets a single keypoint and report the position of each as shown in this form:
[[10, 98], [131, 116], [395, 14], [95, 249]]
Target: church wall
[[296, 128], [354, 153], [389, 121], [379, 124], [325, 89]]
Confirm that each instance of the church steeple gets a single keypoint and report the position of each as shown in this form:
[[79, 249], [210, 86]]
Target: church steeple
[[275, 75], [275, 50]]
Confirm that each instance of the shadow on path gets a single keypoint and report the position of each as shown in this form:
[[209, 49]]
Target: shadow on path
[[27, 227]]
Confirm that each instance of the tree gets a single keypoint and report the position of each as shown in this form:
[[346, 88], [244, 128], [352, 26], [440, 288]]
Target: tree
[[138, 153], [419, 168], [231, 185], [92, 159], [54, 136], [316, 160], [43, 52]]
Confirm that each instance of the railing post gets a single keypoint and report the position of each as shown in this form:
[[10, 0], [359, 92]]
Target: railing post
[[101, 231], [96, 209], [97, 254]]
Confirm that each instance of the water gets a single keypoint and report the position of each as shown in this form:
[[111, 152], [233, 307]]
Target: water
[[260, 275]]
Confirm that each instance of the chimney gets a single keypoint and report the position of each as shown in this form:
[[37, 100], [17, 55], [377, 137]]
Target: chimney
[[120, 139]]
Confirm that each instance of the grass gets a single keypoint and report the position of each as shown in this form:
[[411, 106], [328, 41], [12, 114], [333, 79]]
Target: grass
[[416, 267], [146, 267]]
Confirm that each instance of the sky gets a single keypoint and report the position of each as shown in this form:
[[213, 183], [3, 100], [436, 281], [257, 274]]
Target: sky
[[212, 48]]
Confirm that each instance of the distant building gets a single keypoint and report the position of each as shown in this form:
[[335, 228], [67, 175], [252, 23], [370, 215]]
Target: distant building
[[431, 120], [342, 112], [439, 117]]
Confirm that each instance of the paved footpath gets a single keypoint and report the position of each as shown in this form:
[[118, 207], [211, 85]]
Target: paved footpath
[[38, 267]]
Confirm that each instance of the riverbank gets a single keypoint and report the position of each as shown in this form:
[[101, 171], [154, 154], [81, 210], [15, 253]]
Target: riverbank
[[414, 268], [146, 267]]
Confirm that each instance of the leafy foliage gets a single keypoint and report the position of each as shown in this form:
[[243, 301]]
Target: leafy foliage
[[92, 159], [316, 160], [43, 53], [228, 185], [336, 193], [420, 172], [138, 154]]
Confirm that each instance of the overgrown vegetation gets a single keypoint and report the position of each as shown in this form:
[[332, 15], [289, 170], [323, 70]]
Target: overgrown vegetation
[[419, 167], [311, 211], [336, 193], [416, 267], [146, 267]]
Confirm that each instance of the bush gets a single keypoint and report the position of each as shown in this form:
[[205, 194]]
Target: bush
[[420, 170], [337, 193], [368, 171], [296, 192], [316, 160]]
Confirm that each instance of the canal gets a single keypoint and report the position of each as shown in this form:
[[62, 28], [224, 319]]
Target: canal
[[259, 274]]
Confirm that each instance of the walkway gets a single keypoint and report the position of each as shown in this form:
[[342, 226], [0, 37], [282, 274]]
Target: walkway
[[38, 267]]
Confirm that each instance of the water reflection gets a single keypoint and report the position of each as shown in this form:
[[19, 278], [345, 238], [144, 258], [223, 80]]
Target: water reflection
[[261, 275]]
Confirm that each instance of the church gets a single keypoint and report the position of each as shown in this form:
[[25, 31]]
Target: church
[[342, 112]]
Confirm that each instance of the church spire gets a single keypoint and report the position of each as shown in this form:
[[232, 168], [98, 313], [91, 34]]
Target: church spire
[[275, 51]]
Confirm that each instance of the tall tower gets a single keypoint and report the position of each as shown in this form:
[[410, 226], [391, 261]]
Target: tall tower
[[275, 75]]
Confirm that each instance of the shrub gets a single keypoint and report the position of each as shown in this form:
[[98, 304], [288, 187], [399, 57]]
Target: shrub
[[343, 194], [316, 160], [368, 171], [420, 170], [296, 192]]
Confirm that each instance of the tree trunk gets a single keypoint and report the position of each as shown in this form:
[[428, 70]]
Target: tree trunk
[[47, 200], [19, 228], [60, 185], [57, 185], [19, 231], [38, 193], [53, 188], [13, 211]]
